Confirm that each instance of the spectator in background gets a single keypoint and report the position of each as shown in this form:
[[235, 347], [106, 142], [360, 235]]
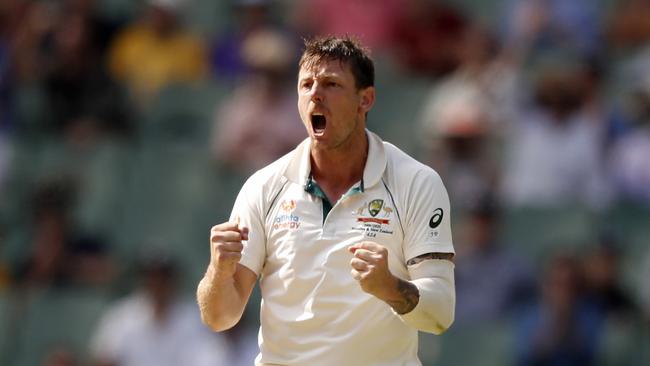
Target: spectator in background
[[6, 152], [56, 53], [465, 116], [602, 282], [555, 150], [5, 100], [60, 356], [27, 28], [427, 35], [6, 11], [629, 164], [5, 268], [38, 35], [492, 282], [156, 51], [50, 230], [371, 21], [457, 136], [535, 26], [560, 329], [154, 327], [486, 66], [251, 16], [76, 80], [645, 288], [628, 24], [28, 25], [58, 255], [259, 123]]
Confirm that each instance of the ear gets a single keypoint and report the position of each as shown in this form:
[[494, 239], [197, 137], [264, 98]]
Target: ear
[[367, 99]]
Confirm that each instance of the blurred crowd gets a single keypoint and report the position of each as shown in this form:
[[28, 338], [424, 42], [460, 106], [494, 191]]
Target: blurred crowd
[[127, 127]]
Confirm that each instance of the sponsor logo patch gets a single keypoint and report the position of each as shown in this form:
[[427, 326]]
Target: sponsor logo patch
[[436, 218], [286, 219]]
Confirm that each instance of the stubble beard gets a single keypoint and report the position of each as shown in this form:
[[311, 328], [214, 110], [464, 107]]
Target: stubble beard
[[346, 144]]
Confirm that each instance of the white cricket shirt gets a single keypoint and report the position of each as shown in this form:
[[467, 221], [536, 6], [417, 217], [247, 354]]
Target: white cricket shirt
[[313, 312]]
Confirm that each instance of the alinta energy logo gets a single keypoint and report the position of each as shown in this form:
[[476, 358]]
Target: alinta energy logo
[[286, 218], [288, 205]]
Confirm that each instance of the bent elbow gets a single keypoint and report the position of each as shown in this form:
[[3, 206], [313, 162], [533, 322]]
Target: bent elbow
[[444, 323], [215, 323], [214, 319], [443, 313], [446, 319]]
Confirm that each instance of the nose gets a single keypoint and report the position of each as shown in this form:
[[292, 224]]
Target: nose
[[316, 92]]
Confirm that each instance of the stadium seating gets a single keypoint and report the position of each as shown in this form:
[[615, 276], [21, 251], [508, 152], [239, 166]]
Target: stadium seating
[[538, 232], [485, 344], [54, 318], [624, 343], [160, 187]]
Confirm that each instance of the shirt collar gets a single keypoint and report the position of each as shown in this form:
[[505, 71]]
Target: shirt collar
[[299, 167]]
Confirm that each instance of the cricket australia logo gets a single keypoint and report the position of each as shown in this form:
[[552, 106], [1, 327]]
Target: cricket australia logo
[[378, 220], [375, 206]]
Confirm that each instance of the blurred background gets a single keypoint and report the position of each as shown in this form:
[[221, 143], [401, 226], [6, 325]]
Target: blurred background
[[127, 128]]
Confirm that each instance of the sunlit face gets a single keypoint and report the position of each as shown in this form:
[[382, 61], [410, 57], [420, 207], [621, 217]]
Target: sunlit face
[[330, 105]]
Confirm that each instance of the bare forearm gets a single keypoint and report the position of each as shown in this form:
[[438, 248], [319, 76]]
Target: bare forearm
[[406, 297], [426, 302], [220, 302]]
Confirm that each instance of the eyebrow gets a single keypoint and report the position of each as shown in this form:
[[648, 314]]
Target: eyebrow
[[321, 76]]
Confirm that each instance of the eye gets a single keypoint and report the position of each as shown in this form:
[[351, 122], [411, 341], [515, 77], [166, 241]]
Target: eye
[[306, 84], [332, 84]]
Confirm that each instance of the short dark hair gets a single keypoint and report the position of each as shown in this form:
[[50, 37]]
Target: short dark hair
[[347, 50]]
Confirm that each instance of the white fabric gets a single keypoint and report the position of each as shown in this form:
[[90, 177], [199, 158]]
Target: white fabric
[[128, 335], [551, 164], [434, 312], [313, 312], [630, 165]]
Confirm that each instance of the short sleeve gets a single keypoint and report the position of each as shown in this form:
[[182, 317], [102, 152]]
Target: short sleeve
[[248, 208], [428, 219]]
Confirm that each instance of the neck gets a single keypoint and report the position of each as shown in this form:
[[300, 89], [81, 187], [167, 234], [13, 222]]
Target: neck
[[336, 170]]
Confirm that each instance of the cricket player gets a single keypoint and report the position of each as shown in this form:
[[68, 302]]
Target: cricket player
[[349, 237]]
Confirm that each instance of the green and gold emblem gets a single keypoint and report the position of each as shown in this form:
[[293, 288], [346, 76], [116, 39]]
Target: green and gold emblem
[[375, 206]]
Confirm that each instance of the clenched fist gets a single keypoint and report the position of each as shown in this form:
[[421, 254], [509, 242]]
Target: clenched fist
[[370, 268], [226, 247]]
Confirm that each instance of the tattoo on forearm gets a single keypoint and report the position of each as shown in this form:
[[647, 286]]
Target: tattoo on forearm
[[423, 257], [410, 297]]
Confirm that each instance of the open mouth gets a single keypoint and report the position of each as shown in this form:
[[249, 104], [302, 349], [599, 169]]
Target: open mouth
[[318, 123]]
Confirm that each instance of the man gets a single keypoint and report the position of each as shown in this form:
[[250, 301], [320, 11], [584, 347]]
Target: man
[[350, 236], [154, 326]]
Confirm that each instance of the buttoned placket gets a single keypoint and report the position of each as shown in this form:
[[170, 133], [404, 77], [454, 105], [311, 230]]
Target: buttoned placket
[[315, 190]]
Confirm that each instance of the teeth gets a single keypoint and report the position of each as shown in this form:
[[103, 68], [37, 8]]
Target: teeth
[[318, 123]]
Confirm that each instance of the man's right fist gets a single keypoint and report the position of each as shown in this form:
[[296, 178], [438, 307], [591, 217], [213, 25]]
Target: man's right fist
[[226, 247]]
